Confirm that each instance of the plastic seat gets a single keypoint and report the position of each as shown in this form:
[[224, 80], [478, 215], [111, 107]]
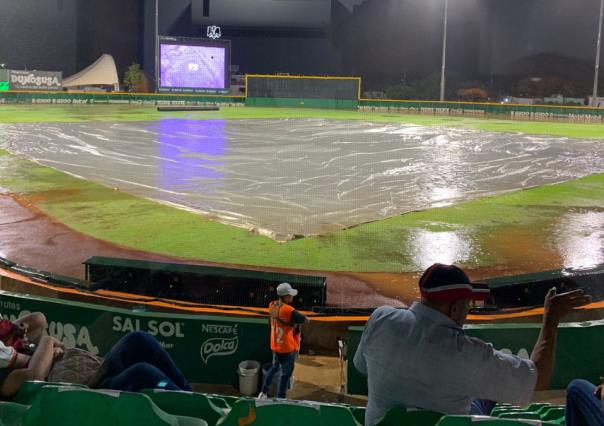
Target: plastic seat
[[400, 416], [221, 401], [272, 413], [520, 415], [29, 390], [11, 413], [341, 415], [187, 404], [359, 414], [73, 406], [486, 421], [554, 414]]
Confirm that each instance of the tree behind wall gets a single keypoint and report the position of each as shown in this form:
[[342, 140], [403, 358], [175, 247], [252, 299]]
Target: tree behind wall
[[135, 79]]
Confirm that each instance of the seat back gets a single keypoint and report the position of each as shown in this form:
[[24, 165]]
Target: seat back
[[12, 413], [186, 404], [29, 390], [72, 406], [488, 421], [400, 416]]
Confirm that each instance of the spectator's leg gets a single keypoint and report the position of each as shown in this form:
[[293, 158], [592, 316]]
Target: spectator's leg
[[36, 325], [138, 347], [481, 407], [287, 362], [583, 408], [140, 376], [268, 380]]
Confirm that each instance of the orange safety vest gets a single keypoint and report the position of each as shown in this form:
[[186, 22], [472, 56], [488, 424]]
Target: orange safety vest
[[282, 330]]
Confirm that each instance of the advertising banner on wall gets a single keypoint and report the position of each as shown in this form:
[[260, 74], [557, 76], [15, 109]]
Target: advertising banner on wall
[[35, 80], [3, 80], [207, 349]]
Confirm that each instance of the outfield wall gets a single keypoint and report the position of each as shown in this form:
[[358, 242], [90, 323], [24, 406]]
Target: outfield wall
[[490, 110], [457, 109], [76, 98]]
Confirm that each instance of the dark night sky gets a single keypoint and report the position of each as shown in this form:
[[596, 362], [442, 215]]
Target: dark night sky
[[380, 39]]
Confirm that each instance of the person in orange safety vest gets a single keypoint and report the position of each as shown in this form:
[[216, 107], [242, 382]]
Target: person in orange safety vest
[[285, 323]]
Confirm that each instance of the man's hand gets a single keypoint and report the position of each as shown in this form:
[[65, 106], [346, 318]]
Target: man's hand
[[598, 392], [58, 344], [558, 306], [57, 353]]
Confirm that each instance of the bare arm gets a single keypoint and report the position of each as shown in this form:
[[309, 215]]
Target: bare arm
[[544, 353], [37, 367]]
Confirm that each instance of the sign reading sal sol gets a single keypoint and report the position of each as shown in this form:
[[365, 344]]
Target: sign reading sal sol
[[207, 349]]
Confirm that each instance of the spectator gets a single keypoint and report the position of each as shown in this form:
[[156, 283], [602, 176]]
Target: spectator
[[584, 404], [421, 358], [285, 324], [17, 367], [135, 362]]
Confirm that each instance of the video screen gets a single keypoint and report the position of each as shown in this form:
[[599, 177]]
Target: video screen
[[193, 67]]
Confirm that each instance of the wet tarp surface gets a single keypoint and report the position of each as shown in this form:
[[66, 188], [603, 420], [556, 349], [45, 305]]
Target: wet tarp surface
[[293, 177]]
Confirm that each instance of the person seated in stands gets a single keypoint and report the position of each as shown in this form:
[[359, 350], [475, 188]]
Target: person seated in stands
[[17, 364], [421, 358], [584, 404], [137, 361]]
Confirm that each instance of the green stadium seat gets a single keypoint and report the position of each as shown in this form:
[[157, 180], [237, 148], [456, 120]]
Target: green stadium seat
[[11, 413], [223, 401], [359, 414], [520, 415], [554, 414], [247, 411], [332, 414], [29, 390], [400, 416], [73, 406], [187, 404], [487, 421], [538, 406], [538, 411]]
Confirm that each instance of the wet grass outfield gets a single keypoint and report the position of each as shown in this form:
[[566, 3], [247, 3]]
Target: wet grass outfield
[[559, 225]]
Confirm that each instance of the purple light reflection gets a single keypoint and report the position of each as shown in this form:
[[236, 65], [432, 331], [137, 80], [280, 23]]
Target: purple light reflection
[[190, 153]]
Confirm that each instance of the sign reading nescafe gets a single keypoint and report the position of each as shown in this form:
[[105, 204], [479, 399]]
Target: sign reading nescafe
[[35, 80]]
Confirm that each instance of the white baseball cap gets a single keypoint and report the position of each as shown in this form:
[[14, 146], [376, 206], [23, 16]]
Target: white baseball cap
[[285, 289]]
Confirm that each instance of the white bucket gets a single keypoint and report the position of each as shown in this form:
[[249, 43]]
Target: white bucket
[[249, 374]]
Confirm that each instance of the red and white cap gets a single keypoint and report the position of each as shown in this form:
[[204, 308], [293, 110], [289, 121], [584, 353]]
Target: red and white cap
[[449, 283]]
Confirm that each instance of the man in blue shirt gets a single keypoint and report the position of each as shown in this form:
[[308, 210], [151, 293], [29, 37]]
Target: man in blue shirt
[[421, 358]]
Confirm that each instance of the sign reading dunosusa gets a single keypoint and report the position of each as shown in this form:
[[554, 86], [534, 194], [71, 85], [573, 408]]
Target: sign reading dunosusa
[[208, 349], [35, 80]]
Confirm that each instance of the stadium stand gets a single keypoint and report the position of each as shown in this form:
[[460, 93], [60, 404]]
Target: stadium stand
[[44, 403]]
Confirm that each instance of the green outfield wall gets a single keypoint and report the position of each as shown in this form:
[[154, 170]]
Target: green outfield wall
[[509, 111], [457, 109], [74, 98]]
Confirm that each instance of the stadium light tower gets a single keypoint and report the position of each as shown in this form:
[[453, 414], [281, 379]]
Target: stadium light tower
[[156, 46], [444, 61], [597, 71]]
